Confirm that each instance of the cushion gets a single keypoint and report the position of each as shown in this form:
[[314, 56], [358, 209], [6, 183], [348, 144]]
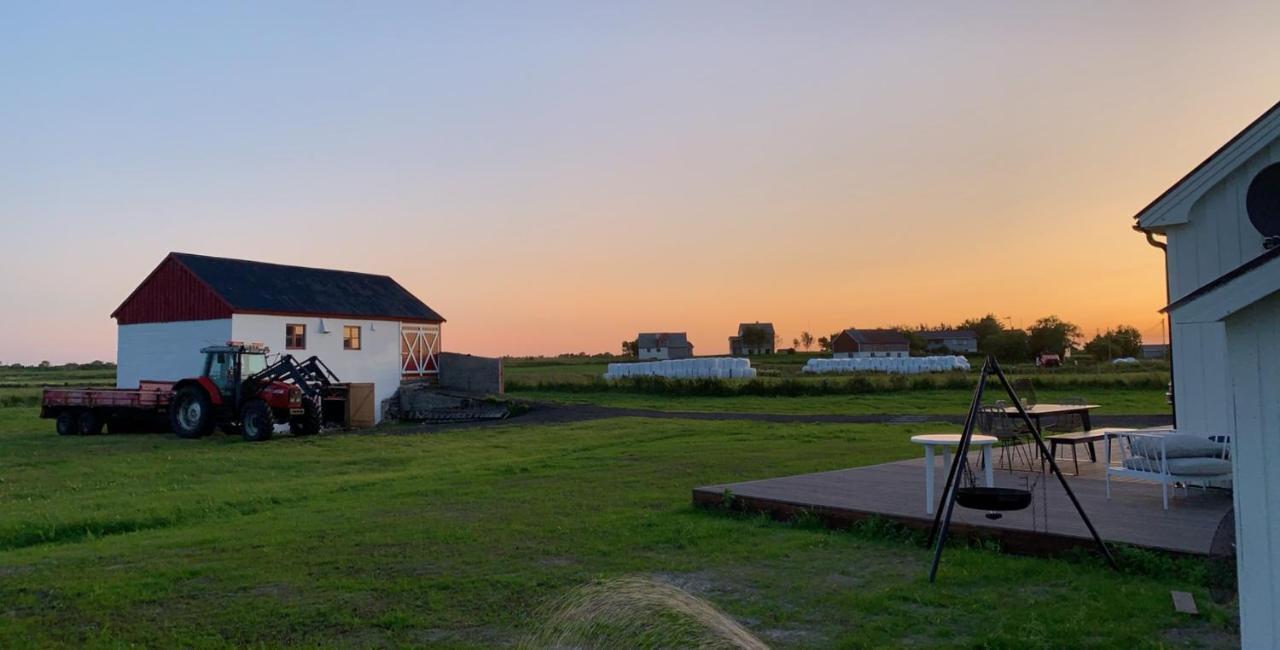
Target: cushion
[[1177, 445], [1182, 466]]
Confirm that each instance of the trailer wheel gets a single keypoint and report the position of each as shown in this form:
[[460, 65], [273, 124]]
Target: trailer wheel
[[191, 413], [67, 423], [256, 421], [89, 424]]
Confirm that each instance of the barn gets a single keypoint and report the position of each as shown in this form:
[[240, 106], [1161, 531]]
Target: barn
[[855, 343], [1221, 230], [365, 327]]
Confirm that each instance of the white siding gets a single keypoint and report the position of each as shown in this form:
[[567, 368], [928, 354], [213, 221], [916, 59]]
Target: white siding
[[1200, 385], [377, 361], [653, 353], [165, 351], [1255, 387]]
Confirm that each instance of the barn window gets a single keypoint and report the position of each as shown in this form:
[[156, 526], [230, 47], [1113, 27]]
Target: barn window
[[295, 336], [350, 337]]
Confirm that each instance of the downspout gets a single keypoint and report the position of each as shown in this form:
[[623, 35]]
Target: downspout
[[1164, 248]]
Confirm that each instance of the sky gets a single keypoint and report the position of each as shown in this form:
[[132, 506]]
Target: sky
[[556, 177]]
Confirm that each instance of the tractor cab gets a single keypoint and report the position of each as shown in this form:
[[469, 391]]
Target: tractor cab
[[227, 366]]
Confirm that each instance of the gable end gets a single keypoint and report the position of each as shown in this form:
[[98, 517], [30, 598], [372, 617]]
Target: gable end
[[169, 294]]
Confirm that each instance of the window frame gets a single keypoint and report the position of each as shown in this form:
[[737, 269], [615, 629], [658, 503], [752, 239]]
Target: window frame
[[288, 339], [346, 339]]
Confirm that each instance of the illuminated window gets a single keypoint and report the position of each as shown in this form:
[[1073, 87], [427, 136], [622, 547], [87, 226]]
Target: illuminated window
[[350, 337], [295, 336]]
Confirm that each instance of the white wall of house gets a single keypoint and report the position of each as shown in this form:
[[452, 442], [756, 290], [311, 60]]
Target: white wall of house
[[651, 354], [165, 351], [377, 361], [955, 345], [1254, 351], [1216, 238]]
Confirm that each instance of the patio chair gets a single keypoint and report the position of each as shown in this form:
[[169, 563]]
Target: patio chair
[[1069, 422], [1026, 391], [1170, 458], [993, 421]]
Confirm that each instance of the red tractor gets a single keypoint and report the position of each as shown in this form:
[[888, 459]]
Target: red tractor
[[241, 393]]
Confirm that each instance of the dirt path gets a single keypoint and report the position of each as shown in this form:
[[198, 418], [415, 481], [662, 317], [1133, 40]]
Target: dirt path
[[548, 413]]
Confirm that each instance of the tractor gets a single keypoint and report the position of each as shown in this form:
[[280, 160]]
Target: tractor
[[240, 392]]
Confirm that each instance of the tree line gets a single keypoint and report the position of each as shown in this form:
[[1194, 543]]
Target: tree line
[[1048, 335]]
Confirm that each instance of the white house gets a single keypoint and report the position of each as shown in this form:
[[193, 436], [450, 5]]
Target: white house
[[663, 345], [1221, 225], [366, 328]]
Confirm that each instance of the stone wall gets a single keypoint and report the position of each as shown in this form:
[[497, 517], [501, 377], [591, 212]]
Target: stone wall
[[465, 372]]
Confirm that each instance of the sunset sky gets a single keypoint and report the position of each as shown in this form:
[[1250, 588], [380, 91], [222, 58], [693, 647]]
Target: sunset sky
[[555, 177]]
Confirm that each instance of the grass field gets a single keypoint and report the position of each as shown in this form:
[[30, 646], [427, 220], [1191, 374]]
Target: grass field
[[457, 539]]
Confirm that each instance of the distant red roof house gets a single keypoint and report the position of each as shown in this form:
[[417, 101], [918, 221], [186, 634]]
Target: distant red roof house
[[870, 343]]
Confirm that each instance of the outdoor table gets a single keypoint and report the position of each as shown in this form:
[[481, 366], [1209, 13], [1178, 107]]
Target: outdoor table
[[1037, 411], [946, 441], [1073, 439]]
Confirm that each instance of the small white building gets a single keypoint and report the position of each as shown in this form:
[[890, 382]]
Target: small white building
[[656, 346], [366, 328], [1221, 225]]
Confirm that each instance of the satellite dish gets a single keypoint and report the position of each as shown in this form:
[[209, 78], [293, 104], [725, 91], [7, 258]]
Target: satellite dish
[[1263, 201]]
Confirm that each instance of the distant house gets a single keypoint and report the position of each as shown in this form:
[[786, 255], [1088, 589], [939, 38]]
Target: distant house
[[663, 345], [752, 338], [870, 343], [956, 341], [1155, 350]]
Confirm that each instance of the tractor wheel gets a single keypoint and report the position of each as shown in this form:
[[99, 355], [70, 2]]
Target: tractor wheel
[[68, 423], [191, 413], [257, 421], [307, 424], [89, 424]]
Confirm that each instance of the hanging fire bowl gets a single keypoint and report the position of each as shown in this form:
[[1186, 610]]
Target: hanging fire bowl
[[997, 499]]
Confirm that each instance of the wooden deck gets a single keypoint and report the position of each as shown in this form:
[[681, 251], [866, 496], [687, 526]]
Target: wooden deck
[[896, 491]]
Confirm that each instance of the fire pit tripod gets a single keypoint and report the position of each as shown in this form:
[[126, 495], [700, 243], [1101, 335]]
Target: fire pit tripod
[[994, 499]]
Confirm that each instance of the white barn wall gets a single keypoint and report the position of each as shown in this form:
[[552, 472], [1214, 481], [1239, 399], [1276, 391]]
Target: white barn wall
[[165, 351], [377, 362], [1255, 385]]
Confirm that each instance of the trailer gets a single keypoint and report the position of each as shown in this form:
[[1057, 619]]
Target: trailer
[[85, 411]]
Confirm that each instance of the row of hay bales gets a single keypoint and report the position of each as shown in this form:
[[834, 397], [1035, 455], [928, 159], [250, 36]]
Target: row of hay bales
[[898, 365], [714, 368]]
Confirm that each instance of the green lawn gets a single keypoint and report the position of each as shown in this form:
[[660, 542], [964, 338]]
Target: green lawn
[[1113, 401], [458, 539]]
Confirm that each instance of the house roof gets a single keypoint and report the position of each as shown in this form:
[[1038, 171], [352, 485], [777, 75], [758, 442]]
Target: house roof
[[767, 327], [1268, 260], [948, 334], [662, 340], [260, 287], [877, 337], [1172, 206]]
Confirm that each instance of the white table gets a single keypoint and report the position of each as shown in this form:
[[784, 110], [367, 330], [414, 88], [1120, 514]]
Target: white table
[[946, 441]]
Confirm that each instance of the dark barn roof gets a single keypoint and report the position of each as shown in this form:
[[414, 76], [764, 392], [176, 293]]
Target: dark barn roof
[[663, 340], [242, 286]]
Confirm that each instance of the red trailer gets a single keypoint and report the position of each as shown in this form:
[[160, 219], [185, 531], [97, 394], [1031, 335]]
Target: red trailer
[[85, 411]]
